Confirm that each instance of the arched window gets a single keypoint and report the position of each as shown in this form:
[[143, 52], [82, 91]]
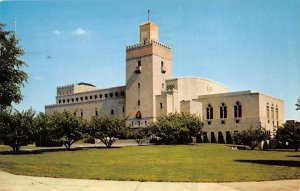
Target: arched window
[[272, 111], [209, 112], [237, 110], [223, 111], [268, 110], [276, 110]]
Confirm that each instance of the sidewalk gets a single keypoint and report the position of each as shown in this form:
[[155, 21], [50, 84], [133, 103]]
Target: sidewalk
[[10, 182]]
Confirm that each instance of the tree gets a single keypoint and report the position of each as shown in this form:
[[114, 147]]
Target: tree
[[107, 128], [11, 76], [289, 132], [67, 128], [17, 129], [298, 105], [251, 137], [139, 135], [176, 128], [45, 132]]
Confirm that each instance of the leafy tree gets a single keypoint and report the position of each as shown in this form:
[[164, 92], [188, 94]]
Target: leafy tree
[[46, 132], [139, 135], [251, 137], [298, 105], [107, 128], [290, 132], [17, 129], [67, 128], [176, 128], [11, 76]]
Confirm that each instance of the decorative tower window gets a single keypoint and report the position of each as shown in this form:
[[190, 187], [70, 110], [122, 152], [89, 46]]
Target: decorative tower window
[[209, 114]]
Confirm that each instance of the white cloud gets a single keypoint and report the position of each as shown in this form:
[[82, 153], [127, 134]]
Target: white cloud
[[38, 78], [56, 32], [79, 31]]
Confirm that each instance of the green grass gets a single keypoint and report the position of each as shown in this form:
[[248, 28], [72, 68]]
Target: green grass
[[192, 163]]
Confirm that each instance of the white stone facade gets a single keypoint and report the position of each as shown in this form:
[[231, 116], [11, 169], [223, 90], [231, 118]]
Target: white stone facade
[[150, 92]]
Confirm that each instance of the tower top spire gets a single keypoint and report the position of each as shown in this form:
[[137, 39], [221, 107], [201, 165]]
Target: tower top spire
[[148, 15]]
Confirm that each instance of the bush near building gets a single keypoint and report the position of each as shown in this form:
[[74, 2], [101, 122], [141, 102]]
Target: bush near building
[[175, 128], [251, 137], [289, 135]]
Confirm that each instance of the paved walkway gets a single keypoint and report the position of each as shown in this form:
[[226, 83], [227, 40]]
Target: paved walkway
[[10, 182]]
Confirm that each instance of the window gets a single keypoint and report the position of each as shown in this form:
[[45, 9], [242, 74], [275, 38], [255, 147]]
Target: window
[[123, 109], [59, 101], [86, 98], [96, 112], [139, 102], [105, 95], [162, 67], [81, 98], [112, 112], [208, 122], [276, 110], [111, 94], [209, 112], [81, 113], [91, 97], [74, 113], [117, 94], [145, 122], [100, 96], [223, 111], [272, 111], [95, 96], [139, 85], [122, 93], [139, 63], [68, 100], [237, 110], [222, 122], [161, 106], [64, 101], [268, 110], [77, 99]]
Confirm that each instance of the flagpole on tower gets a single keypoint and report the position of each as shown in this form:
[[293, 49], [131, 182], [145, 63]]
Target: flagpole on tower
[[15, 27], [148, 14]]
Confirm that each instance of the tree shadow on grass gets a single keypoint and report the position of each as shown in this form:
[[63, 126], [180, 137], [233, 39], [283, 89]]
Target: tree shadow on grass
[[289, 163], [297, 156], [46, 150]]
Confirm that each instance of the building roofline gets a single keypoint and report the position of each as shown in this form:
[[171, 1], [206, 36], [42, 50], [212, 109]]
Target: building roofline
[[201, 78]]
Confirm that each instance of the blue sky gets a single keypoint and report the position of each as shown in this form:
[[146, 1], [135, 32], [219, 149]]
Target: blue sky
[[242, 44]]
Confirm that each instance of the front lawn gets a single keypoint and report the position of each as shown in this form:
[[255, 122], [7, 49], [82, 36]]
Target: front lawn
[[191, 163]]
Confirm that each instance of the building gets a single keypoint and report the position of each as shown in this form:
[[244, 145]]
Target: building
[[150, 92]]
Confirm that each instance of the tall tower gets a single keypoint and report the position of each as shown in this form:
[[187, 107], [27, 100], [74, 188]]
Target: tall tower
[[148, 65]]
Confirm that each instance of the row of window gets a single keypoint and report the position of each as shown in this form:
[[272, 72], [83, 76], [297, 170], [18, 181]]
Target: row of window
[[64, 92], [112, 112], [237, 108], [139, 67], [272, 112], [138, 123], [95, 97]]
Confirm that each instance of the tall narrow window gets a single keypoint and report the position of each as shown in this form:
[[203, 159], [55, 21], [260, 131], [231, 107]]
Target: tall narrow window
[[123, 109], [209, 112], [139, 63], [272, 111], [96, 112], [112, 112], [237, 110], [223, 111], [139, 85], [81, 113], [276, 110], [161, 105], [268, 111], [139, 102], [162, 67]]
